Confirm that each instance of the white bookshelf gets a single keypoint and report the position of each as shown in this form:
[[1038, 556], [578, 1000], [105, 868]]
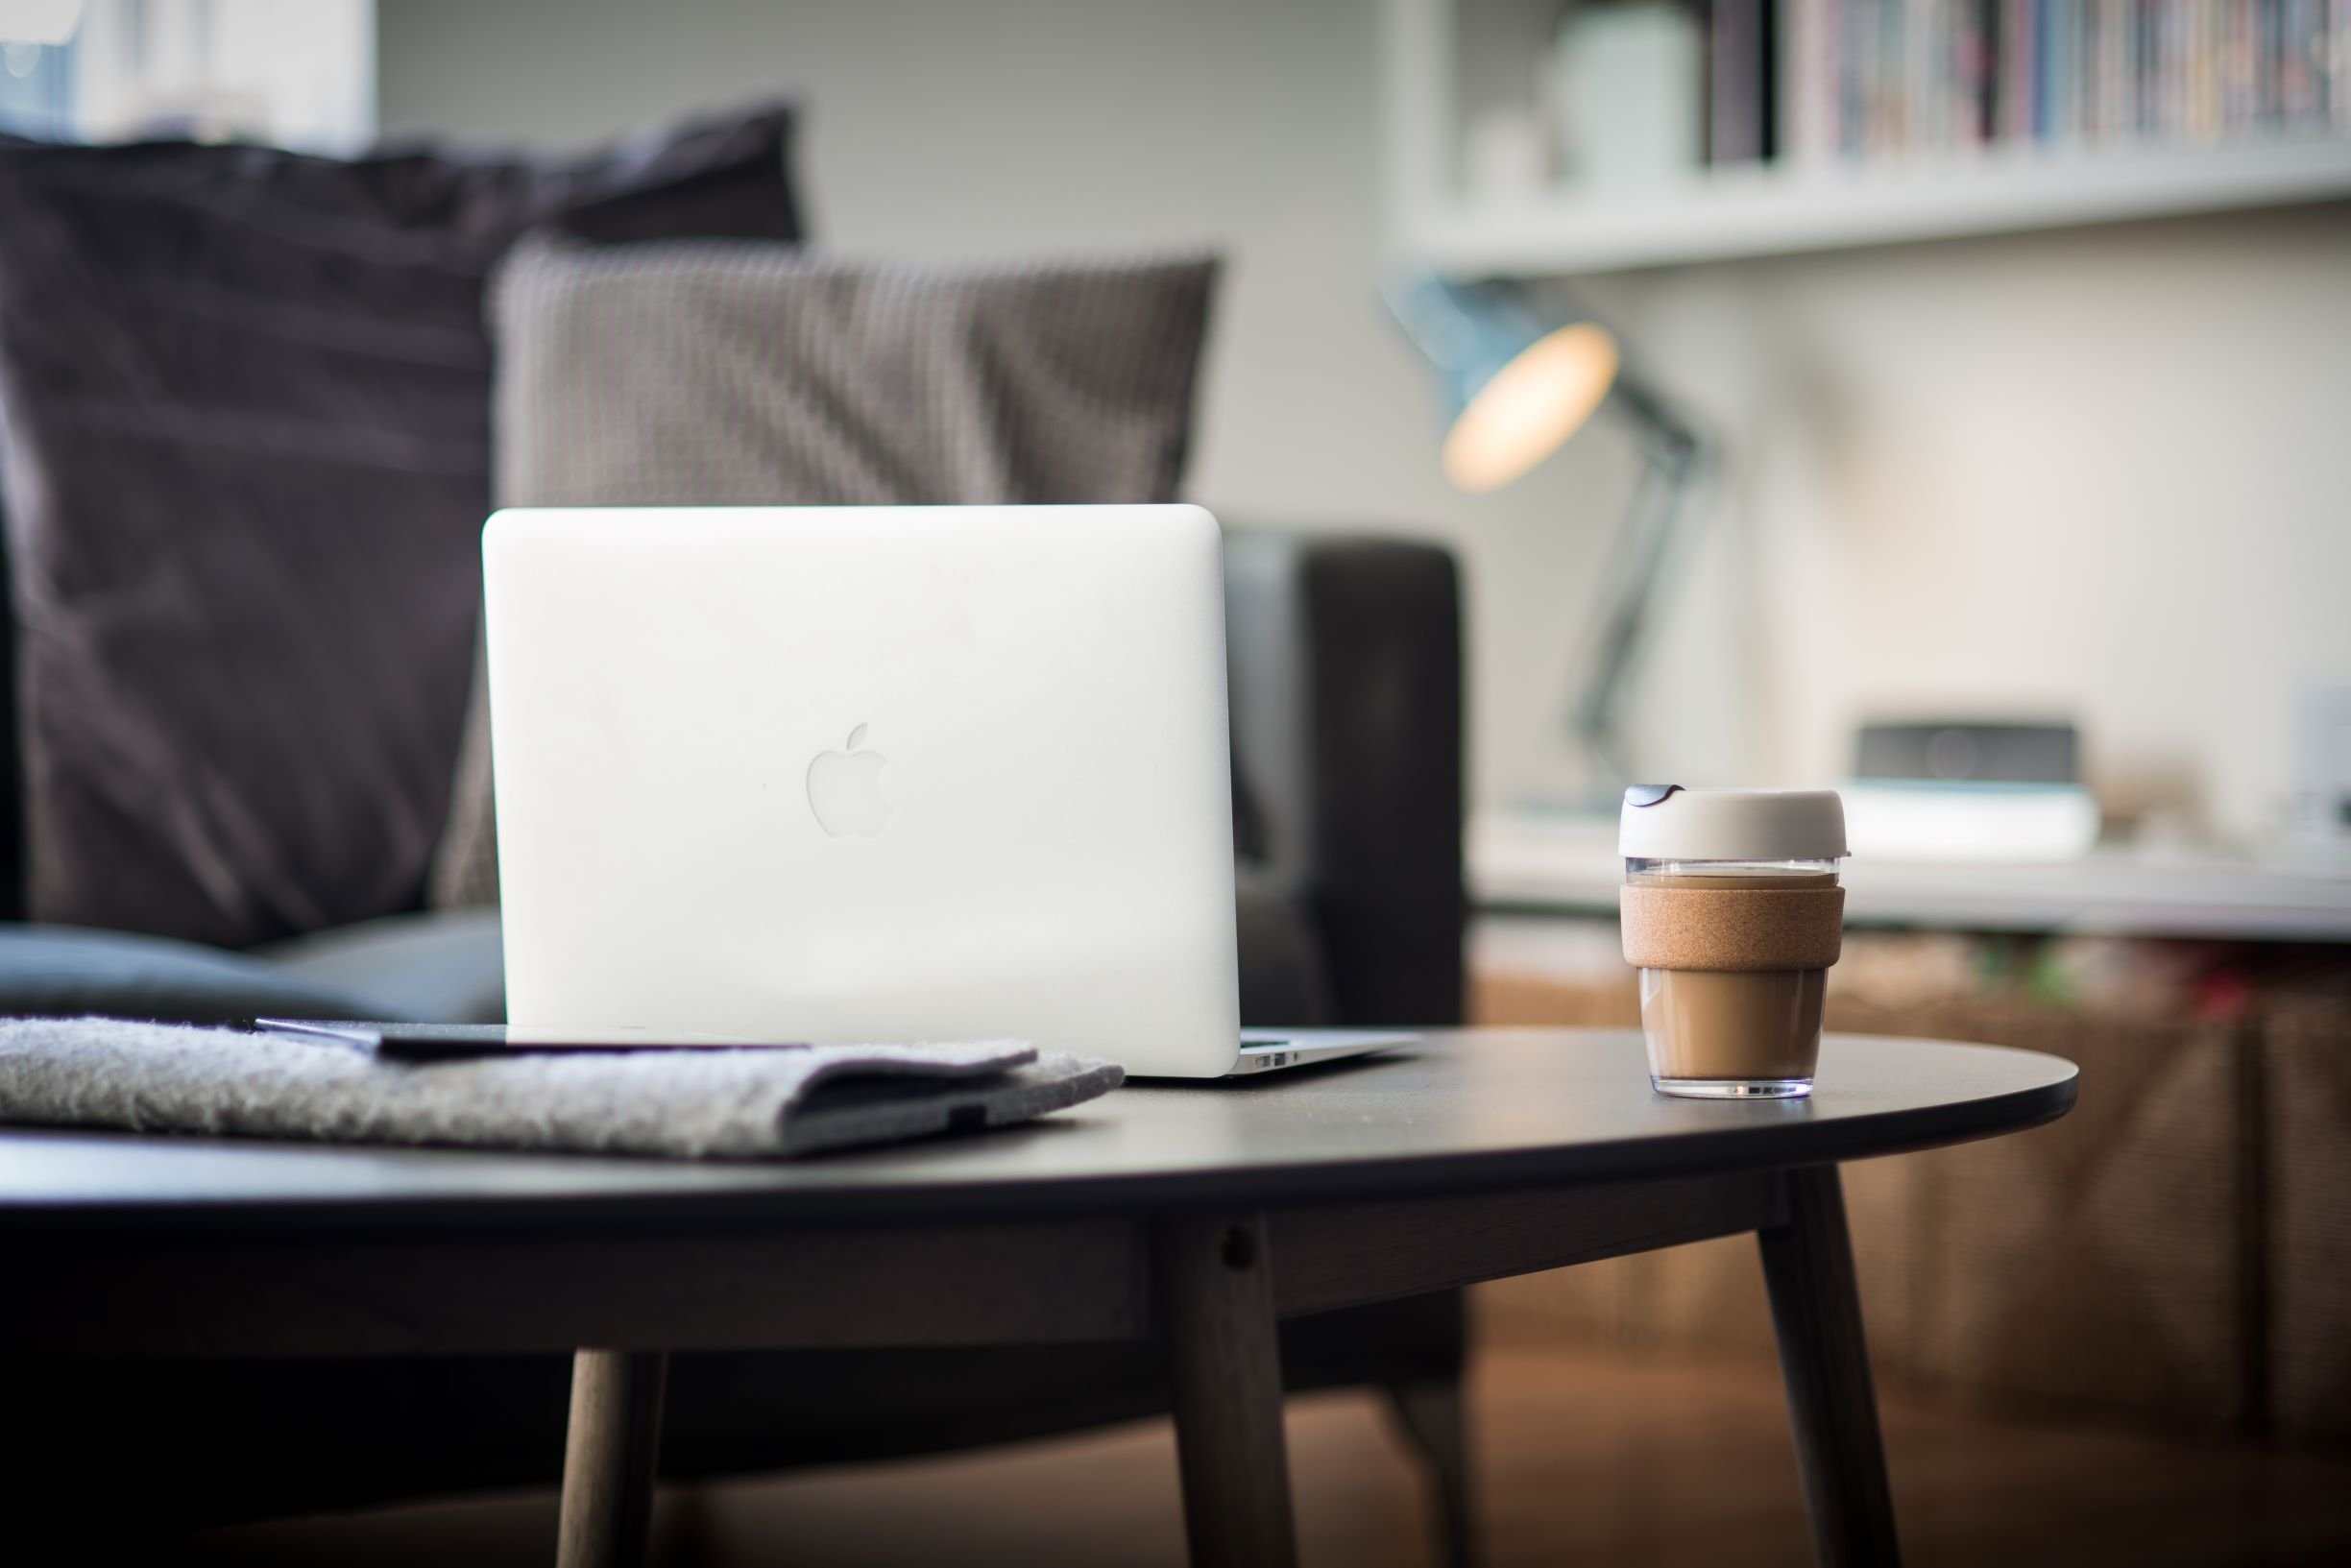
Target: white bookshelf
[[1528, 865], [1772, 210]]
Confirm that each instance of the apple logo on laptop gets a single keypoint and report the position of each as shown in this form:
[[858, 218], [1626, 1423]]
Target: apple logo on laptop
[[844, 790]]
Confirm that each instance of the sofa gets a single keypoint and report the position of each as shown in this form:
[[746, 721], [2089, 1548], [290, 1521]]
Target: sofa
[[255, 406], [1345, 695]]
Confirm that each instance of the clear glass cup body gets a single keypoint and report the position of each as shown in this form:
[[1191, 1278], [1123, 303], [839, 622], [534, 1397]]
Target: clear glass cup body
[[1733, 1034]]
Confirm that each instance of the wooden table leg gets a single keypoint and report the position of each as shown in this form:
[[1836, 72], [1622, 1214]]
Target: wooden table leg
[[1430, 1412], [610, 1457], [1816, 1311], [1216, 1295]]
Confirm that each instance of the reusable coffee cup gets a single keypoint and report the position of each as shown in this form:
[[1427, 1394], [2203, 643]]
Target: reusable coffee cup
[[1733, 913]]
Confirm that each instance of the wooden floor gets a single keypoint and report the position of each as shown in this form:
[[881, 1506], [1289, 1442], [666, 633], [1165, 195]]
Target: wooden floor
[[1581, 1460]]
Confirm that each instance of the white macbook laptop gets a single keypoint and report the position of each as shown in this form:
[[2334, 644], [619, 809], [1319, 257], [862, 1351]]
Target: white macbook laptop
[[872, 774]]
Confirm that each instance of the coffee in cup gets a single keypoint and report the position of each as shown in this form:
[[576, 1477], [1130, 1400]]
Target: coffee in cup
[[1733, 914]]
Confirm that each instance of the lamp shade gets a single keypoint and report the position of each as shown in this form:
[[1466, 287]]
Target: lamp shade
[[1519, 381]]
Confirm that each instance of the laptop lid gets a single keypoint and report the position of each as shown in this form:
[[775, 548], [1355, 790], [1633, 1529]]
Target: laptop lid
[[867, 774]]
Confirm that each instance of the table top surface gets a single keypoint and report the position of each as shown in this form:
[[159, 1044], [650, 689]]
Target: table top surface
[[1460, 1111]]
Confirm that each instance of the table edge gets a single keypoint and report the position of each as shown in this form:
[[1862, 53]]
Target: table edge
[[1269, 1187]]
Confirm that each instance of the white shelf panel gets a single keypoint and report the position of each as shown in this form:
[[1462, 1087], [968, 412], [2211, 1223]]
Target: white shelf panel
[[1532, 863], [1763, 213]]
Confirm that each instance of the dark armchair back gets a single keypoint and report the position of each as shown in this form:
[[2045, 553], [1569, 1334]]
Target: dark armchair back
[[1346, 714]]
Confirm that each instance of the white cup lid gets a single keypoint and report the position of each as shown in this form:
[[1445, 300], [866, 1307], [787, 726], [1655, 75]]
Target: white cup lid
[[1666, 822]]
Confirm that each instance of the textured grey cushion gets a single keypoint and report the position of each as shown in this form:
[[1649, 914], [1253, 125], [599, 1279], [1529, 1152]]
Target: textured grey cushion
[[246, 398], [728, 1104], [717, 374]]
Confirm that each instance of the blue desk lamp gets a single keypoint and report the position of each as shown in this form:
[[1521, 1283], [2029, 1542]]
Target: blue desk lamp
[[1519, 381]]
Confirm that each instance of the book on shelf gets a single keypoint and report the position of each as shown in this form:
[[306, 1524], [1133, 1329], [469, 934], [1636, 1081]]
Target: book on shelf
[[1742, 118], [1825, 83]]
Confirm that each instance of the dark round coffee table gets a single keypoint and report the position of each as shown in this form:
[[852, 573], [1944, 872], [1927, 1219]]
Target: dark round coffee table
[[1202, 1213]]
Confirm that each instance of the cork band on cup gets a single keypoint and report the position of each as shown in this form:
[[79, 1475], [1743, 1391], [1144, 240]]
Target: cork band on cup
[[1733, 928]]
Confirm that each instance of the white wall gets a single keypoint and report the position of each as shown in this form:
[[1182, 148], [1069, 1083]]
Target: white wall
[[2105, 473]]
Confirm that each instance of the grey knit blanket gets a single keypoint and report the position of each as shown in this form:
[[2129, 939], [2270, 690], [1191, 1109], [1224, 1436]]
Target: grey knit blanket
[[698, 1104]]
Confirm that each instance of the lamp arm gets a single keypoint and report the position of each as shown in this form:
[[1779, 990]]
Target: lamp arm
[[1668, 433], [1637, 557]]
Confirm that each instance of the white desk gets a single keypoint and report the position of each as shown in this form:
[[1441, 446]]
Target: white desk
[[1538, 863]]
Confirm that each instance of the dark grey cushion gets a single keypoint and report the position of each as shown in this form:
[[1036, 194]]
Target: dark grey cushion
[[246, 396], [448, 965], [11, 770], [56, 970], [714, 374], [440, 966]]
